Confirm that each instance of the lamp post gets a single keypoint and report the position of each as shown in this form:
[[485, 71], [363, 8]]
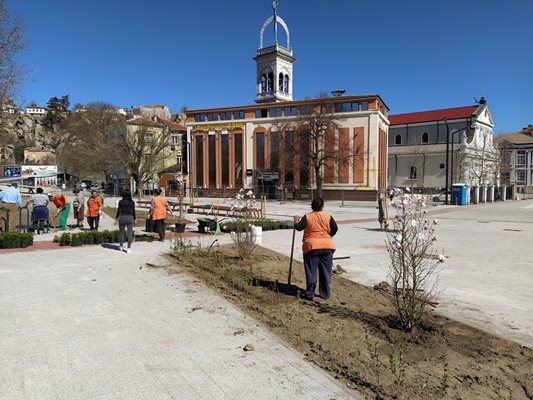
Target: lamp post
[[189, 163], [448, 186]]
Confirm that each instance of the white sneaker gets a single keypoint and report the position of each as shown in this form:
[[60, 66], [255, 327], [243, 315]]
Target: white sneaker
[[128, 251], [122, 248]]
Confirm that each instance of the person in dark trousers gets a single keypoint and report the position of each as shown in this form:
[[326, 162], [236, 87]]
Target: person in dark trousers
[[159, 212], [126, 219], [318, 248]]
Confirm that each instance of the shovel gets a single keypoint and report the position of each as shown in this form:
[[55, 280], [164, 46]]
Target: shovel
[[292, 254]]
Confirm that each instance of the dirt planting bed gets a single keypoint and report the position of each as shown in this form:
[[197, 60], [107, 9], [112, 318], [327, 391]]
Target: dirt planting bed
[[351, 335]]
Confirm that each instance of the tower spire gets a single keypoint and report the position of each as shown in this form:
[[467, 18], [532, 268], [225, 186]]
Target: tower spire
[[275, 8]]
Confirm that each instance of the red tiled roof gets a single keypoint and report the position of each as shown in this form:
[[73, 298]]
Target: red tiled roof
[[8, 102], [432, 115]]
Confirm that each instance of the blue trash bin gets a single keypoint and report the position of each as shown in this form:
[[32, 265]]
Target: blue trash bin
[[459, 194]]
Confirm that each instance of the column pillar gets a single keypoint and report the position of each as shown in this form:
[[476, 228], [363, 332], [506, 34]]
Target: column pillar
[[476, 195]]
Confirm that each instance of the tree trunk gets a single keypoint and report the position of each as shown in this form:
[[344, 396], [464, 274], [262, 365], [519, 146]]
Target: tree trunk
[[318, 179]]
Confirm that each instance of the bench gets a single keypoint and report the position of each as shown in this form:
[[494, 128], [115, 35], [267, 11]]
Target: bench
[[230, 211]]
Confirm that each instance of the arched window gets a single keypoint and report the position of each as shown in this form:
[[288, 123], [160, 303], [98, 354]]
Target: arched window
[[425, 138], [263, 84], [286, 84], [398, 139], [280, 82], [270, 82]]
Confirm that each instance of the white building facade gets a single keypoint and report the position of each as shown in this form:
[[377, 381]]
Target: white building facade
[[420, 153]]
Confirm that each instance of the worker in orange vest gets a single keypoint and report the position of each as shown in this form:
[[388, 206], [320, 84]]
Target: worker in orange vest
[[159, 212], [94, 210], [318, 248], [63, 209]]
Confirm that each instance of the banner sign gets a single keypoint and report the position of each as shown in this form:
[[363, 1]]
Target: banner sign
[[12, 171], [38, 170], [217, 127]]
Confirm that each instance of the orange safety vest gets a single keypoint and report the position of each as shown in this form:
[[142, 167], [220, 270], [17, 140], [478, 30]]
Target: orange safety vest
[[160, 208], [316, 233]]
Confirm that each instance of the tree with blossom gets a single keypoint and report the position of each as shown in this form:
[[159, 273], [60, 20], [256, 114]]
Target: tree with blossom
[[244, 238], [414, 261]]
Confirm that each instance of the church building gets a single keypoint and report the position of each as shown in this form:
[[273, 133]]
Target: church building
[[254, 146]]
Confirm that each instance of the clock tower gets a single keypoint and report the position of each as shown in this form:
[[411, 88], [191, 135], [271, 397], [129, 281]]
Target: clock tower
[[274, 64]]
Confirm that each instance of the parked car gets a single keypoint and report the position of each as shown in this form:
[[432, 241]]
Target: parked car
[[89, 184]]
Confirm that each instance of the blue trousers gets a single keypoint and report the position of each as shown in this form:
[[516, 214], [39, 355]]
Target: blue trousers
[[323, 263]]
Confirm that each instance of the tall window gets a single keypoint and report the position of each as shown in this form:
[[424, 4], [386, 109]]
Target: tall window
[[263, 84], [398, 139], [280, 82], [212, 162], [238, 114], [199, 150], [225, 160], [286, 83], [290, 111], [521, 158], [304, 160], [364, 105], [274, 150], [275, 112], [412, 172], [270, 82], [237, 155], [425, 138], [520, 177], [289, 157], [260, 151]]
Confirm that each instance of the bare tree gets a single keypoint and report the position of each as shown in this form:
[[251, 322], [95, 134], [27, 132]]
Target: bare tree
[[314, 138], [12, 43], [144, 147], [87, 147]]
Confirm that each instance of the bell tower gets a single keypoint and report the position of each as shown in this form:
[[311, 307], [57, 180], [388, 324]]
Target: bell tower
[[274, 64]]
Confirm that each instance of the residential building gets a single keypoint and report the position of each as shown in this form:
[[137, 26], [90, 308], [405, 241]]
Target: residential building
[[39, 156], [8, 106], [147, 111], [35, 110], [171, 135], [250, 146], [418, 148], [517, 157]]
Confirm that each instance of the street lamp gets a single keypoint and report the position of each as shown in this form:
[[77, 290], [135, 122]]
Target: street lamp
[[448, 186], [189, 163]]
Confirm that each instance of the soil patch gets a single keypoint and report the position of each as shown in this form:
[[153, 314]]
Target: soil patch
[[351, 335]]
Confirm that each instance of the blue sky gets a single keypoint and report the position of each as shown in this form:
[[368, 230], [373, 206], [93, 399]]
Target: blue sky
[[417, 54]]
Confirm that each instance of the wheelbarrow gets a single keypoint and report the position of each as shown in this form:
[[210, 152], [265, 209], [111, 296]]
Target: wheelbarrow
[[206, 225]]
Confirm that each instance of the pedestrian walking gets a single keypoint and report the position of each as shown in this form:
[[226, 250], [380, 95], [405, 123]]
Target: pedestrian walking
[[78, 207], [126, 219], [94, 210], [39, 211], [11, 199], [159, 212], [381, 212], [63, 210], [318, 248]]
